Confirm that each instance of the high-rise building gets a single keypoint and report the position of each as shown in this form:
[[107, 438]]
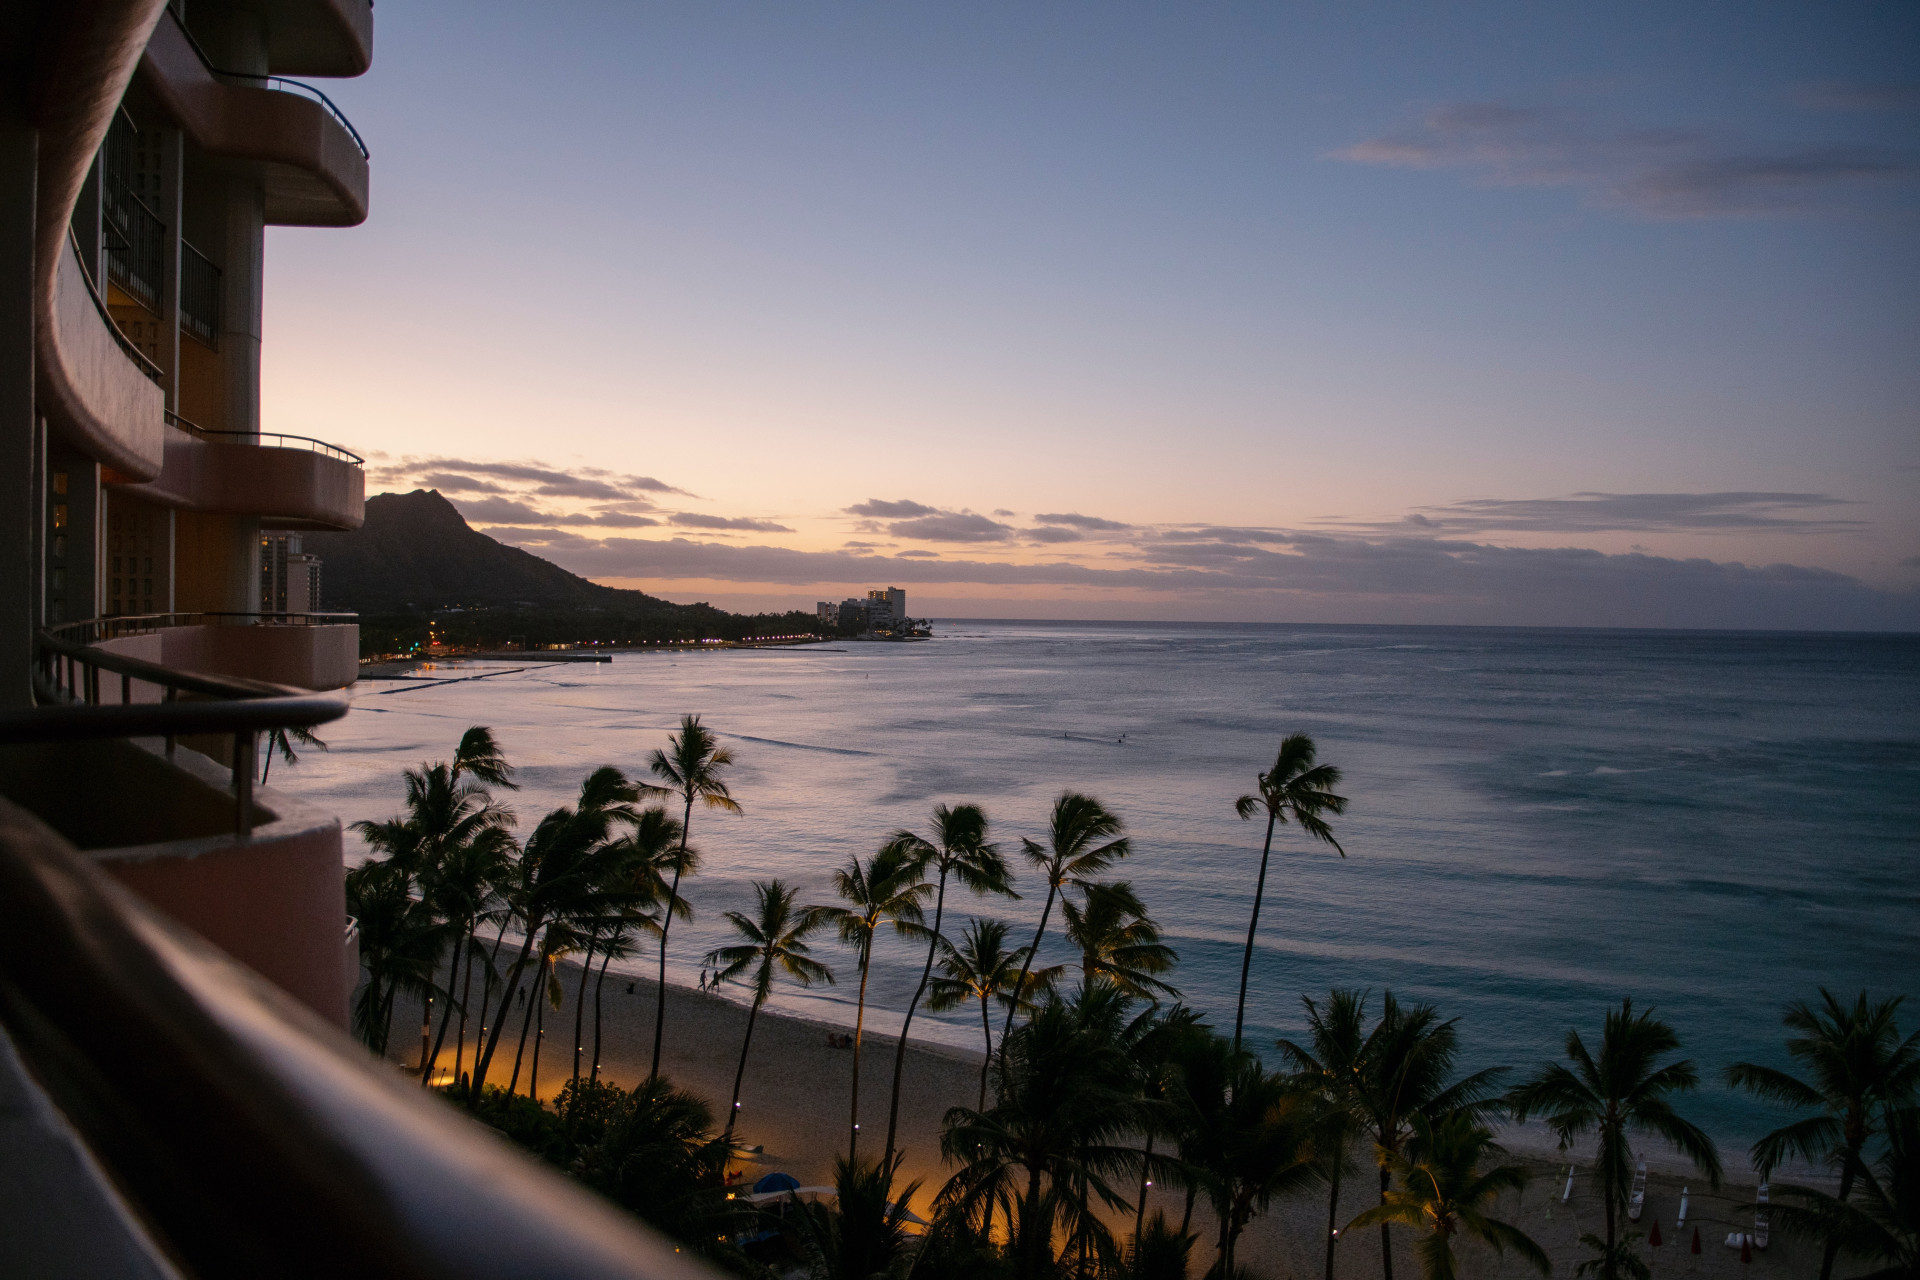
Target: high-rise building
[[179, 1096]]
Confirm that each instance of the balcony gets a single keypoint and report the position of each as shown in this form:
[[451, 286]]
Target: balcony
[[102, 390], [289, 482], [166, 1110], [313, 162], [313, 651]]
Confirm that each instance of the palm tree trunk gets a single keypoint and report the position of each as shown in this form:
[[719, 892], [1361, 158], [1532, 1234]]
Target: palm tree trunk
[[1386, 1237], [986, 1063], [666, 923], [1333, 1207], [1606, 1187], [526, 1027], [539, 1040], [1140, 1206], [426, 1071], [466, 993], [740, 1072], [1253, 926], [483, 1063], [900, 1050], [580, 1010], [859, 1026], [599, 985], [1186, 1216], [1846, 1190], [1020, 987]]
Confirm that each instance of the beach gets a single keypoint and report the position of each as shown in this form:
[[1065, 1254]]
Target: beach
[[794, 1106]]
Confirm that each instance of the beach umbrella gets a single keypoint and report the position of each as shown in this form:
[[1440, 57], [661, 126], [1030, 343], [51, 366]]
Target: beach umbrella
[[1696, 1239], [1653, 1237], [776, 1182]]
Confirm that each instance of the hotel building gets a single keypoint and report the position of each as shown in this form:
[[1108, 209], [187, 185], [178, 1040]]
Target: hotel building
[[177, 1092]]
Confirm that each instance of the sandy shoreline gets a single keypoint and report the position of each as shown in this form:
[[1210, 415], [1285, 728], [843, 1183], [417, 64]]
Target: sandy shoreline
[[794, 1104]]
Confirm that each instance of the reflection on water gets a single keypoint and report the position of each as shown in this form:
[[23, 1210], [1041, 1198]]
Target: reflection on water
[[1542, 821]]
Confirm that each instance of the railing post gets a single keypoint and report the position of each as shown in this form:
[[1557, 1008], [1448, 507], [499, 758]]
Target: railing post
[[168, 696], [243, 749]]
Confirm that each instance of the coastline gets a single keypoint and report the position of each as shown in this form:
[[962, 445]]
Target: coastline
[[794, 1105]]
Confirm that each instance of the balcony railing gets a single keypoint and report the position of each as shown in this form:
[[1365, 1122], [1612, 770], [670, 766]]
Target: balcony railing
[[126, 344], [267, 439], [94, 630], [136, 238], [68, 682], [283, 85], [248, 1138], [199, 296]]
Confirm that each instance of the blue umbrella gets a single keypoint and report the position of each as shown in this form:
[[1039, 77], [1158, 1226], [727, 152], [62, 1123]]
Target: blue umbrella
[[776, 1182]]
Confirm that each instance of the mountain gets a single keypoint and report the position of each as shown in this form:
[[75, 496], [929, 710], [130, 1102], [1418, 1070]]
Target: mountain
[[416, 552]]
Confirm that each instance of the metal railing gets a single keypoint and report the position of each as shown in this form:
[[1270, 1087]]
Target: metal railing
[[262, 439], [94, 630], [282, 84], [136, 238], [68, 683], [248, 1137], [199, 296]]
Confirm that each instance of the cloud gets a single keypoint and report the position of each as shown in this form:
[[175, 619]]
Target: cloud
[[1078, 521], [1055, 535], [919, 554], [496, 511], [1658, 174], [1626, 512], [1004, 514], [897, 510], [952, 526], [1848, 95], [1325, 576], [696, 520], [535, 477], [503, 511], [447, 482]]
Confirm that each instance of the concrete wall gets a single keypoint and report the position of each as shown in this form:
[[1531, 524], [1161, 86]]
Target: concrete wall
[[109, 408], [325, 657]]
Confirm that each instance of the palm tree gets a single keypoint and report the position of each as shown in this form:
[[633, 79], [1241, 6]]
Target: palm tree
[[1298, 790], [774, 942], [960, 849], [650, 855], [981, 968], [887, 889], [1055, 1136], [282, 740], [1083, 840], [1883, 1223], [1248, 1139], [1444, 1192], [691, 767], [1405, 1064], [479, 755], [1118, 943], [864, 1233], [570, 855], [1857, 1066], [400, 944], [1332, 1064], [460, 888], [1166, 1040], [1625, 1090]]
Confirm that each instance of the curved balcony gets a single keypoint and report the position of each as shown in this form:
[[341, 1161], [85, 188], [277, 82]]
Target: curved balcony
[[313, 162], [105, 394], [319, 37], [289, 482], [304, 650]]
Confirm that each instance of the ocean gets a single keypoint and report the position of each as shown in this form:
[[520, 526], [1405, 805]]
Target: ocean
[[1541, 821]]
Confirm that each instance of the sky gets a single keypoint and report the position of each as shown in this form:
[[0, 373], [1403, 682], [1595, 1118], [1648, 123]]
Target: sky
[[1504, 314]]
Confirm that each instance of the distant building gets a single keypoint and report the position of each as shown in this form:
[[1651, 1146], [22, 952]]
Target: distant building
[[886, 609], [289, 578], [853, 613], [828, 612]]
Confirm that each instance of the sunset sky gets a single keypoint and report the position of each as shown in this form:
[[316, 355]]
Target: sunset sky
[[1509, 313]]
